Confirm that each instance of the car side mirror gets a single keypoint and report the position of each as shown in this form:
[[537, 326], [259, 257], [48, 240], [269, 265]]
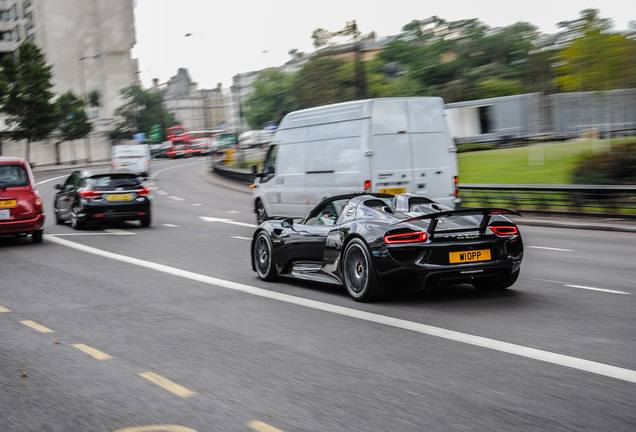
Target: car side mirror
[[287, 223]]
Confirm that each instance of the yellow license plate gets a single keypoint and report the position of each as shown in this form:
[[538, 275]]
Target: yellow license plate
[[119, 197], [8, 203], [469, 256], [393, 191]]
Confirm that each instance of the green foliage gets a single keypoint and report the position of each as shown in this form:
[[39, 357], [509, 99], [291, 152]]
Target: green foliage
[[26, 88], [270, 100], [595, 58], [143, 109], [616, 167], [322, 81], [73, 122]]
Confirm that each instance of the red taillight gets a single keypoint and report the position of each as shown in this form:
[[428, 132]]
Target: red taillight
[[367, 186], [143, 192], [90, 194], [504, 231], [456, 185], [412, 237], [38, 201]]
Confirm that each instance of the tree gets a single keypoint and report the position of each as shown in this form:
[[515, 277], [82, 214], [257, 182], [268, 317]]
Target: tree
[[140, 113], [270, 100], [26, 89], [594, 57], [73, 122]]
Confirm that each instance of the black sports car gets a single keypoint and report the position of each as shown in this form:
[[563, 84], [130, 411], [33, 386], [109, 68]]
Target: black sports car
[[96, 196], [374, 244]]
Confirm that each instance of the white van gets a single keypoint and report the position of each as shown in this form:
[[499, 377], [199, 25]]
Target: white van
[[131, 157], [391, 145]]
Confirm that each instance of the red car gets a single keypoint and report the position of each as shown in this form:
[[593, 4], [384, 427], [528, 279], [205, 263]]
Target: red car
[[20, 203]]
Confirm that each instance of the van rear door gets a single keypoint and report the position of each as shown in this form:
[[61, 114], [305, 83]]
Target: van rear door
[[412, 149], [391, 163]]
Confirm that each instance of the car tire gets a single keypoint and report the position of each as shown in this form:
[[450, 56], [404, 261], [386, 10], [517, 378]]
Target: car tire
[[496, 284], [75, 222], [261, 213], [360, 278], [145, 222], [263, 257], [58, 219], [37, 236]]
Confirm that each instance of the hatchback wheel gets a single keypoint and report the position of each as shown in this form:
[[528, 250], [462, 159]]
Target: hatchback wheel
[[75, 222]]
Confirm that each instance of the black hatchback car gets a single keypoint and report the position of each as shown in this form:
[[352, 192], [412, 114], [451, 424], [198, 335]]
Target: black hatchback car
[[100, 196]]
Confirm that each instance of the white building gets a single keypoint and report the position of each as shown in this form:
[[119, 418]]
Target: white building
[[87, 42]]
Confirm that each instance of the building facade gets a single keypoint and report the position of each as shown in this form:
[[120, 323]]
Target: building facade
[[196, 109], [87, 43]]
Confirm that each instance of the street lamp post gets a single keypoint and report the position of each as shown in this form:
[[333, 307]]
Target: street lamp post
[[82, 78]]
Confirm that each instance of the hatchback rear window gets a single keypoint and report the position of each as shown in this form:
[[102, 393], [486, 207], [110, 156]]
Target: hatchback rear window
[[13, 176], [113, 181]]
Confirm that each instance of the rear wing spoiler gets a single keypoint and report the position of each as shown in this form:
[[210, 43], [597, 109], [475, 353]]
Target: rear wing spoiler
[[485, 212]]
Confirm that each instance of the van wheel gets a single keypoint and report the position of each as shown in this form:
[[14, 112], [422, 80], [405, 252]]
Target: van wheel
[[261, 214]]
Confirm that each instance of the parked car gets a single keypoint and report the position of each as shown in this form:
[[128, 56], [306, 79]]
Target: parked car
[[373, 243], [96, 196], [21, 210]]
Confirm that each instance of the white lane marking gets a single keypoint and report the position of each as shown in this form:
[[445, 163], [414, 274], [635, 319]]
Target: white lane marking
[[117, 231], [241, 238], [197, 204], [154, 176], [51, 179], [567, 284], [227, 221], [550, 248], [176, 198], [161, 192], [170, 225], [505, 347], [598, 289], [234, 211]]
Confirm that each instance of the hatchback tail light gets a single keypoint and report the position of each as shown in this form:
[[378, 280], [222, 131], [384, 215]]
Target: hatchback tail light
[[143, 192], [38, 201], [411, 237], [90, 194]]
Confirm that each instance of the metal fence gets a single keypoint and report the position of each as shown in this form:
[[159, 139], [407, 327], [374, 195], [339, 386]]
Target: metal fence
[[600, 200]]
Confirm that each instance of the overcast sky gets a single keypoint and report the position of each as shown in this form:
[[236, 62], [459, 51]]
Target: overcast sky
[[230, 37]]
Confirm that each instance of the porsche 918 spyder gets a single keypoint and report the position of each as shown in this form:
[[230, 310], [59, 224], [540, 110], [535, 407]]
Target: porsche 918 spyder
[[373, 244]]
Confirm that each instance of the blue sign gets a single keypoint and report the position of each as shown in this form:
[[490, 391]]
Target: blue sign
[[271, 126], [140, 137]]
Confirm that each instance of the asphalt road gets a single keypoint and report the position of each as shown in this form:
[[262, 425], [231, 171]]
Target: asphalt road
[[131, 329]]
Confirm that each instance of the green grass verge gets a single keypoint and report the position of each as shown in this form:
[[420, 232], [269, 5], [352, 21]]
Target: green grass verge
[[546, 163]]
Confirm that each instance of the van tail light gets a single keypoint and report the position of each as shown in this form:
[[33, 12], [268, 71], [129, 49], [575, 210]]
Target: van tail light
[[456, 186], [90, 194], [505, 230], [367, 186], [412, 237]]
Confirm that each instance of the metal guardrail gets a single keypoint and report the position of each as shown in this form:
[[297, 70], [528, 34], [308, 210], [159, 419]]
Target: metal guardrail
[[599, 200], [580, 200]]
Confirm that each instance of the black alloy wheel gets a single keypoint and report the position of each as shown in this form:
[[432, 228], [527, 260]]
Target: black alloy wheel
[[263, 257], [359, 274]]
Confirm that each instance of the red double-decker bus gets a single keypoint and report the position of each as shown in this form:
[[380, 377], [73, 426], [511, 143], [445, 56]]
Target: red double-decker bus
[[181, 141]]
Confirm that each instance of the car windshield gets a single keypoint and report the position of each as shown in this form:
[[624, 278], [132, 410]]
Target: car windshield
[[13, 176], [110, 181]]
